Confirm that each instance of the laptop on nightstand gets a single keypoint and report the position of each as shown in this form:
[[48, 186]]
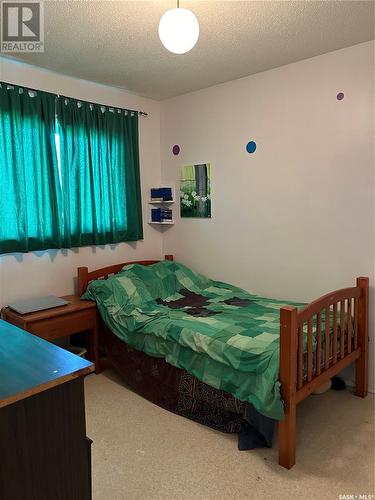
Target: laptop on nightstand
[[37, 304]]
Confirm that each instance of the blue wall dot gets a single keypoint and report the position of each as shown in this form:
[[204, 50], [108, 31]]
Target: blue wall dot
[[251, 147]]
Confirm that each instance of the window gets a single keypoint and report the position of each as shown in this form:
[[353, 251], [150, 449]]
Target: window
[[69, 173]]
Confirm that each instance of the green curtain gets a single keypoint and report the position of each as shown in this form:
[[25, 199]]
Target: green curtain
[[99, 164], [30, 198], [69, 173]]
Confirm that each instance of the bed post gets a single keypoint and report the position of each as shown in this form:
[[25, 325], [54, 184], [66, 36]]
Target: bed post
[[82, 279], [361, 365], [288, 380]]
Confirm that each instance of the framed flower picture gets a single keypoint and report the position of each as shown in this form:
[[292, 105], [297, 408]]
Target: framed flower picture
[[195, 190]]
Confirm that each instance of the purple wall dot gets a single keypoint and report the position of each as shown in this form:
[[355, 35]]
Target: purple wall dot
[[340, 96], [176, 149]]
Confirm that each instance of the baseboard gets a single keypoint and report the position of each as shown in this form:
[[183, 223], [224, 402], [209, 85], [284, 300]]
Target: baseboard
[[351, 383]]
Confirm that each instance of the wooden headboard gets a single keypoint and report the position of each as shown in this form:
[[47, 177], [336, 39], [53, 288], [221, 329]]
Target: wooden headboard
[[84, 277]]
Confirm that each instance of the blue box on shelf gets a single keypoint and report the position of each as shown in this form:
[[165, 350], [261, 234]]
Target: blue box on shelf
[[166, 193], [155, 215], [166, 214], [161, 215], [161, 194], [156, 194]]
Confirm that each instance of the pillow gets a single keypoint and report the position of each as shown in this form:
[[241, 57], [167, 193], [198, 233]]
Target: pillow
[[122, 288], [159, 285], [185, 277], [136, 284]]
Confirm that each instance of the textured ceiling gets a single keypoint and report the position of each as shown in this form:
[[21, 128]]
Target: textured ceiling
[[116, 42]]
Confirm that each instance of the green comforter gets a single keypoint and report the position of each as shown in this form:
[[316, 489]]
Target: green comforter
[[223, 335]]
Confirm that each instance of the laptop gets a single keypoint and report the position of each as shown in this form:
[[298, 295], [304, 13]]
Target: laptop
[[37, 304]]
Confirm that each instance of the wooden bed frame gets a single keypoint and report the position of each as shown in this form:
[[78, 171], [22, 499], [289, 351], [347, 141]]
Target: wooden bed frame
[[299, 376]]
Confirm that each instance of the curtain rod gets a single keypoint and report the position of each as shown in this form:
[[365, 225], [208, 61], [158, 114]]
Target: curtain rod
[[140, 113]]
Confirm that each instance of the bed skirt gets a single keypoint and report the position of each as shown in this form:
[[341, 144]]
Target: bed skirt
[[173, 389]]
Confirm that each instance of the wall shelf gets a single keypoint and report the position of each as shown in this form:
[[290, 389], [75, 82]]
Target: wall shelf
[[163, 223], [160, 210], [160, 202]]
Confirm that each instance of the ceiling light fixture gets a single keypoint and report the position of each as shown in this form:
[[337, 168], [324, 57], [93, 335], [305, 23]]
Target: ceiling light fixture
[[179, 30]]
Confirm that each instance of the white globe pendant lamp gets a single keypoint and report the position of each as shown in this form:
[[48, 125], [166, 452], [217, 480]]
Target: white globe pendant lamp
[[178, 30]]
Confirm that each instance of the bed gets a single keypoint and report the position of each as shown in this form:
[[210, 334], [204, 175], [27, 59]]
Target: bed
[[271, 354]]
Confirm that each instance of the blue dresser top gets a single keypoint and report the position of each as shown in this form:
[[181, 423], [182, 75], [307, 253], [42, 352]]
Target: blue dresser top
[[29, 364]]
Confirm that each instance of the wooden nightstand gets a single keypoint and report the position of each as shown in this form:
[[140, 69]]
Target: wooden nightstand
[[50, 324]]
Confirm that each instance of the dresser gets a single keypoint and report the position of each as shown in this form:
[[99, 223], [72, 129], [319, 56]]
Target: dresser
[[44, 451]]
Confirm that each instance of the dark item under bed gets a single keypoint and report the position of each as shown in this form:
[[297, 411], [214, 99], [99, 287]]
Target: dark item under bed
[[180, 392]]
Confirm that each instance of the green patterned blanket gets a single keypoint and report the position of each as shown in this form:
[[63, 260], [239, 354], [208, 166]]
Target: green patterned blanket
[[223, 335]]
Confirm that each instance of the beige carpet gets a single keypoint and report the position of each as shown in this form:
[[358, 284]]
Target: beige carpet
[[141, 451]]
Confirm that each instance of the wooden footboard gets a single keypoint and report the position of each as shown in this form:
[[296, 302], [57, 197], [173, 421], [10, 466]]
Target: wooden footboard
[[316, 343]]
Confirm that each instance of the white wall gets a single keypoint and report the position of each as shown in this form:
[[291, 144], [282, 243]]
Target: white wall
[[296, 218], [53, 272]]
